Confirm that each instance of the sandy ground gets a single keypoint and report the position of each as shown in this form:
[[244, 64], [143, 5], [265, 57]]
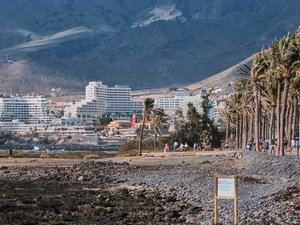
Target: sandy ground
[[147, 158]]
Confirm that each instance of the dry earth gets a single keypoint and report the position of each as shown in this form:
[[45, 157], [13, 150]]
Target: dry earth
[[154, 189]]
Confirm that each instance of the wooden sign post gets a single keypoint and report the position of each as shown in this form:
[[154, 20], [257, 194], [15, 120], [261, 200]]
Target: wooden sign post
[[225, 188]]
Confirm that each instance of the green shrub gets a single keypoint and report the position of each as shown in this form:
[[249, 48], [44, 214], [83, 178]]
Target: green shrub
[[147, 144], [92, 156], [44, 155], [63, 155]]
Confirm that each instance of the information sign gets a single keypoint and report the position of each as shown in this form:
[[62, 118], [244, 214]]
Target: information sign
[[225, 187]]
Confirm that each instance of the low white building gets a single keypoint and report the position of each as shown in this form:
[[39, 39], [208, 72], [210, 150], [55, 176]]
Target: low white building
[[101, 99], [28, 109], [181, 101], [171, 103], [43, 129]]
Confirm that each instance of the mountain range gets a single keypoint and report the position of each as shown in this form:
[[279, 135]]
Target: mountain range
[[145, 44]]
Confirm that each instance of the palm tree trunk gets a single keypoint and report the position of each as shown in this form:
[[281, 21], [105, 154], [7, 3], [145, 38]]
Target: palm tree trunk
[[263, 127], [295, 117], [257, 119], [290, 110], [240, 130], [237, 130], [244, 133], [283, 112], [251, 126], [227, 129], [141, 136], [278, 122], [271, 127]]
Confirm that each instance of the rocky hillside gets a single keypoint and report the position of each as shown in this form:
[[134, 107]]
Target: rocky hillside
[[153, 44]]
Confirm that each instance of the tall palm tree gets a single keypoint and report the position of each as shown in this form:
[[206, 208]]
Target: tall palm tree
[[271, 88], [258, 75], [235, 110], [148, 107], [159, 118], [230, 116], [244, 90]]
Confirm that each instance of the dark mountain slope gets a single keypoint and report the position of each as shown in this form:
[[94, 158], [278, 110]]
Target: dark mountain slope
[[146, 44]]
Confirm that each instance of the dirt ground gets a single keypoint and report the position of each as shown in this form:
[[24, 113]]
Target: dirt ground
[[147, 158], [68, 191]]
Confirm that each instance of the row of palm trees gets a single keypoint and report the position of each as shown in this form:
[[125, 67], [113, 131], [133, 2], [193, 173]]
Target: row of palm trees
[[265, 104]]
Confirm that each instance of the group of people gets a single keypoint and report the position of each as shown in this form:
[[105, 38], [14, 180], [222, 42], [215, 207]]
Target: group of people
[[182, 147], [264, 145], [232, 145], [176, 147]]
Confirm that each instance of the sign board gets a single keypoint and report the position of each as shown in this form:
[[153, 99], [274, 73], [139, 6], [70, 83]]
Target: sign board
[[225, 188]]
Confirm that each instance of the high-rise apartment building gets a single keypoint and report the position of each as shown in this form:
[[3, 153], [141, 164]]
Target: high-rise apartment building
[[28, 109], [101, 99]]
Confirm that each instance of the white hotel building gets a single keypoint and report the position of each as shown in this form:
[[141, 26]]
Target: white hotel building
[[101, 99], [27, 109], [171, 103], [181, 101]]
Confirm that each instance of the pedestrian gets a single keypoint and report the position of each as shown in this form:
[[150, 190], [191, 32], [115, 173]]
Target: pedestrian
[[249, 145], [195, 146], [10, 153], [175, 146], [167, 147], [225, 146], [272, 147]]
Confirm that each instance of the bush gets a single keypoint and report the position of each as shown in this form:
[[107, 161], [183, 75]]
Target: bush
[[147, 144], [5, 135], [129, 145], [44, 155], [62, 155], [92, 156]]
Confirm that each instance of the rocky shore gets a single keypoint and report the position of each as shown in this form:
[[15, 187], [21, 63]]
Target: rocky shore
[[169, 191]]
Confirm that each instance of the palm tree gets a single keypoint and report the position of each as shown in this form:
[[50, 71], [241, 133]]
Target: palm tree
[[159, 118], [271, 87], [148, 107], [258, 74], [193, 127], [231, 111]]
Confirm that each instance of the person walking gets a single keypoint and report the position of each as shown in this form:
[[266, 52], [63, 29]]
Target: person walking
[[272, 147], [167, 147], [175, 146], [10, 153]]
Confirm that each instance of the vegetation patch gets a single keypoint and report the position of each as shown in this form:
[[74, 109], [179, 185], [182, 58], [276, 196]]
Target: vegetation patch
[[63, 155], [92, 156]]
